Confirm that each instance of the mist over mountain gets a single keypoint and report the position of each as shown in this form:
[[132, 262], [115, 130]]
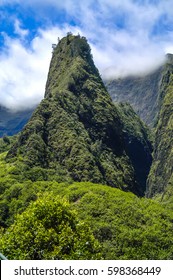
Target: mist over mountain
[[142, 92], [151, 98]]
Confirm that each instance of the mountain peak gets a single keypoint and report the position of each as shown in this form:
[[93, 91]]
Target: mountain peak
[[71, 61], [73, 46]]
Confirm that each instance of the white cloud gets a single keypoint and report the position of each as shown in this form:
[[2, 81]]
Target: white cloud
[[19, 30], [22, 74], [169, 49], [135, 49]]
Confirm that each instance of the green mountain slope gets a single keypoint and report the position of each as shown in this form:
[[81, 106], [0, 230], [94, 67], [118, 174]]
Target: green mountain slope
[[161, 174], [76, 130]]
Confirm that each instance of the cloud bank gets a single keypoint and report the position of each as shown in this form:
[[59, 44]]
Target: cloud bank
[[23, 71], [127, 38]]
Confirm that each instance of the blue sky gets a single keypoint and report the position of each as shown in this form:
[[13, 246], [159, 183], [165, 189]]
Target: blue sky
[[127, 37]]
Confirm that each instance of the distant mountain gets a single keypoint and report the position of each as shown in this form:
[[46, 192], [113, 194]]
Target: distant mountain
[[12, 122], [143, 93], [152, 98], [78, 132]]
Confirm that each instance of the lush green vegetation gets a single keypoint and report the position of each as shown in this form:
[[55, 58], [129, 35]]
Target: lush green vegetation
[[48, 229], [6, 142], [123, 225]]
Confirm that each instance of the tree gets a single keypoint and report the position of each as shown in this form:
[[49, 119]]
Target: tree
[[48, 229]]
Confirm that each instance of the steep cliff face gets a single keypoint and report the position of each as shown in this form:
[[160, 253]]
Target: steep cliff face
[[141, 92], [161, 174], [76, 130], [138, 142]]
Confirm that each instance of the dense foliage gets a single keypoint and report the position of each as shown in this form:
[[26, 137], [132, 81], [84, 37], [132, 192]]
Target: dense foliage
[[125, 226], [48, 229], [6, 142]]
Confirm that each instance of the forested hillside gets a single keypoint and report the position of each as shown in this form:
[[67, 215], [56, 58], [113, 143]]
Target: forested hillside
[[50, 220]]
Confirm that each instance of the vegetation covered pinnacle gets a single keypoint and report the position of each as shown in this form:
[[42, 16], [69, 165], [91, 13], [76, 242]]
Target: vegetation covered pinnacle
[[77, 131]]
